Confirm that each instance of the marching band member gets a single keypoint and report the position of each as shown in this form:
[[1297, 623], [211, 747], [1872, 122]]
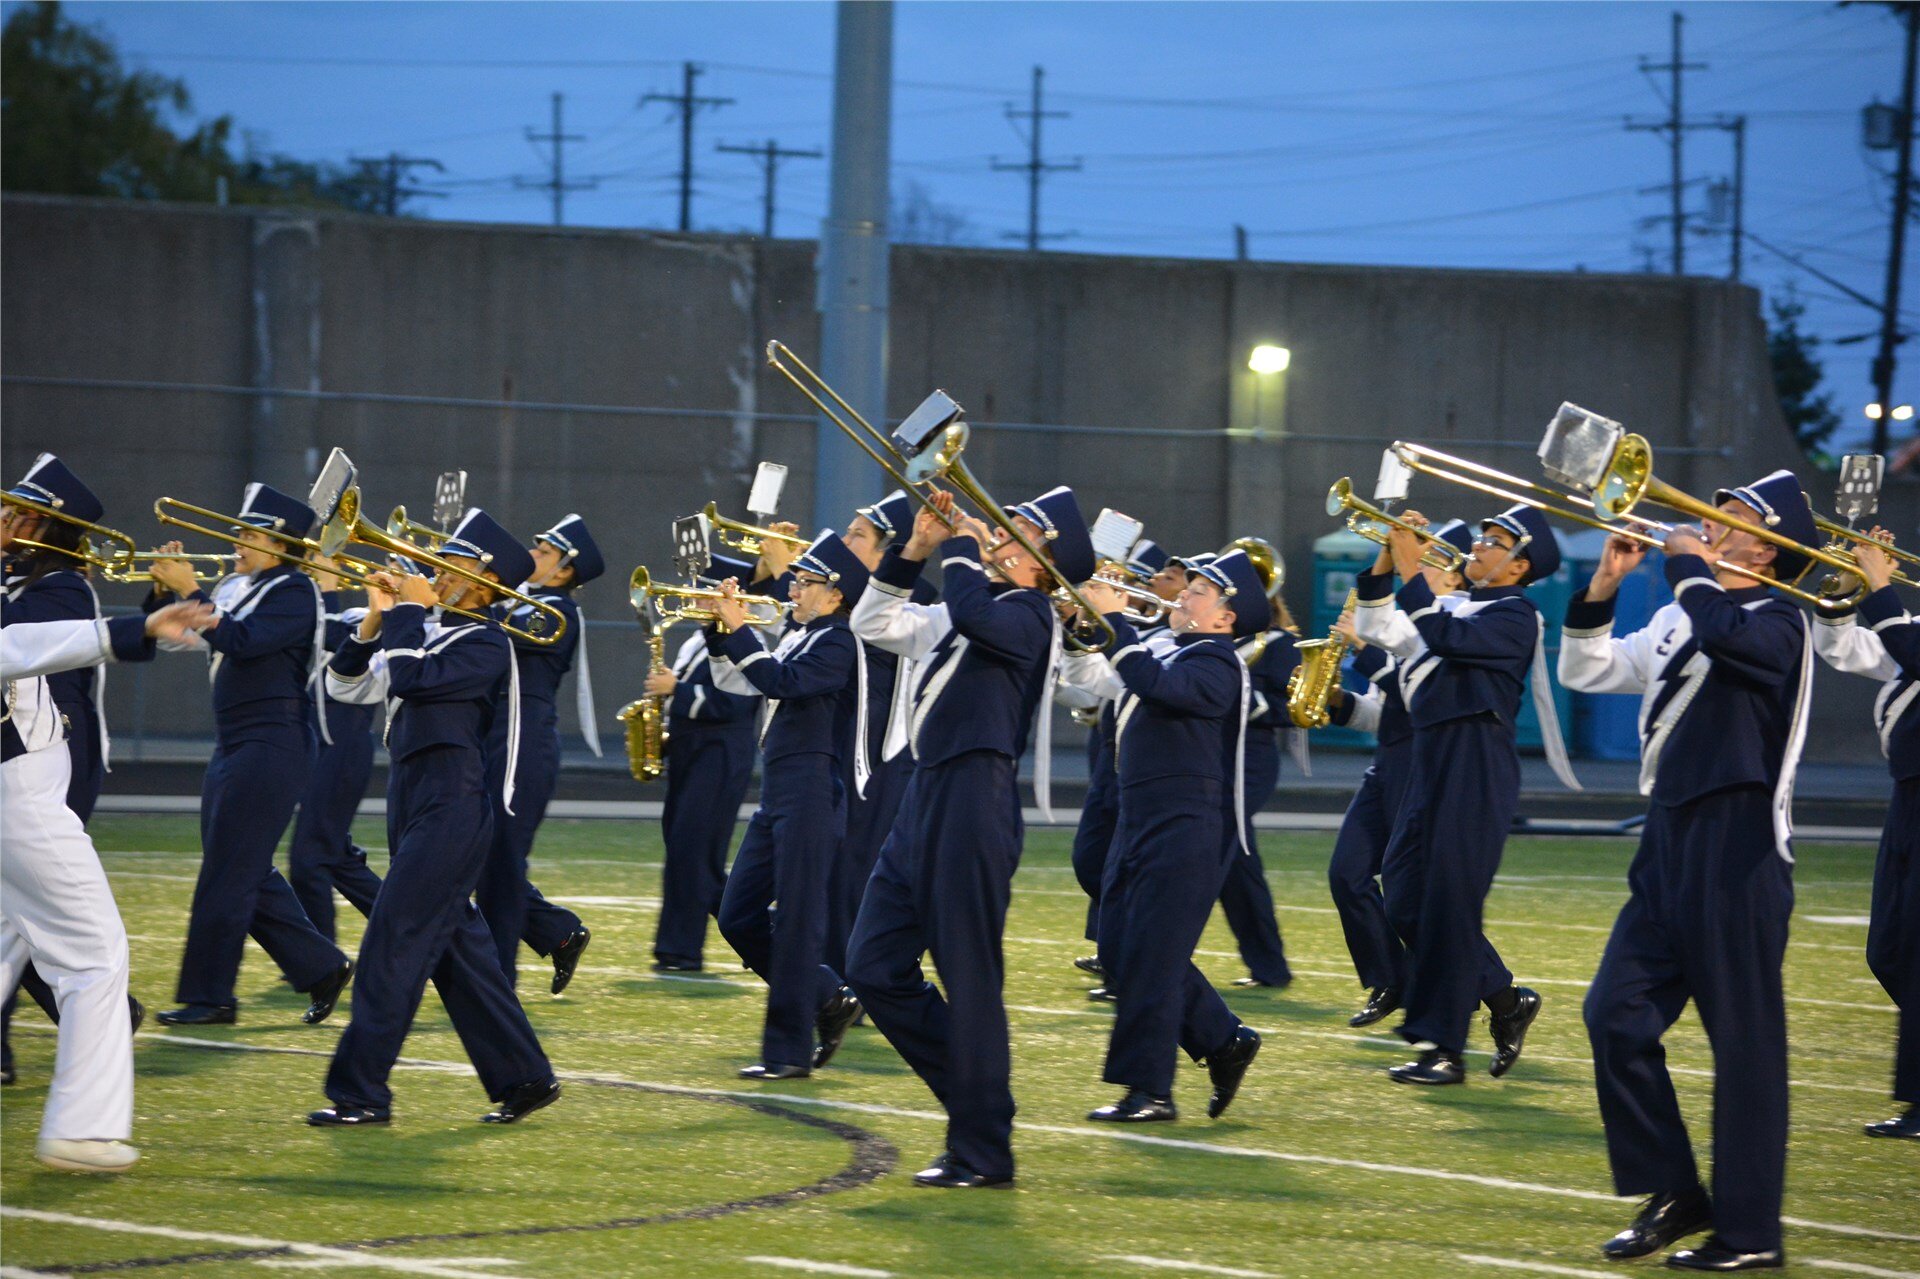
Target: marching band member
[[565, 558], [1245, 897], [711, 743], [443, 687], [984, 661], [270, 630], [1888, 648], [1100, 810], [876, 778], [813, 682], [44, 585], [322, 855], [1379, 958], [1464, 676], [1181, 743], [56, 907], [1725, 673]]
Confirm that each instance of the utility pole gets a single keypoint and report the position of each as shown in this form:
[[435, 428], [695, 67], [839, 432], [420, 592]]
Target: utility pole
[[1896, 250], [686, 102], [1034, 166], [1239, 243], [389, 173], [557, 184], [1739, 127], [770, 157], [1675, 126]]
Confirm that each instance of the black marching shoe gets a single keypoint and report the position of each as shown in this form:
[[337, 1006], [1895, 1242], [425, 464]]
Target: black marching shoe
[[349, 1117], [948, 1173], [773, 1070], [676, 965], [136, 1013], [566, 958], [198, 1015], [522, 1101], [1090, 964], [1664, 1219], [1227, 1067], [1103, 995], [1510, 1030], [325, 995], [1138, 1107], [1715, 1254], [1907, 1125], [1435, 1066], [832, 1024], [1381, 1000]]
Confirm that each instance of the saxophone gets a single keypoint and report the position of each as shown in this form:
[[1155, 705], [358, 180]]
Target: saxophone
[[1318, 674], [646, 721]]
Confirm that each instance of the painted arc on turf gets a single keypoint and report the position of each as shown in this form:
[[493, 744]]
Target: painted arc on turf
[[1076, 1131]]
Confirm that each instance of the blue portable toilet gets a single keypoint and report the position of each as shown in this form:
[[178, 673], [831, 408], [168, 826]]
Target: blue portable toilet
[[1607, 725]]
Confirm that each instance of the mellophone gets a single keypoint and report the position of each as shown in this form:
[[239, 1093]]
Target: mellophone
[[1597, 475]]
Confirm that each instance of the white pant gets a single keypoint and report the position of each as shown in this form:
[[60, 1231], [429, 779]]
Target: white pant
[[56, 908]]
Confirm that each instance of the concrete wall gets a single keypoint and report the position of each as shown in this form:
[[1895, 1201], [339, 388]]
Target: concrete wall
[[241, 298]]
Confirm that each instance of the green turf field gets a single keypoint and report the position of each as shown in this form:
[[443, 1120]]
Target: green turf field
[[658, 1160]]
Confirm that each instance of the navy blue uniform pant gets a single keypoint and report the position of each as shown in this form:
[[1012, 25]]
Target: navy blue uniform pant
[[439, 824], [322, 855], [708, 771], [869, 820], [1378, 957], [1707, 921], [787, 857], [508, 901], [1093, 837], [245, 804], [1164, 873], [1462, 791], [941, 886], [1245, 898], [1893, 936]]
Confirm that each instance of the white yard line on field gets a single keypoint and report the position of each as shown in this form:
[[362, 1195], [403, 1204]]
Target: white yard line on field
[[1079, 1132], [1196, 1267], [820, 1267]]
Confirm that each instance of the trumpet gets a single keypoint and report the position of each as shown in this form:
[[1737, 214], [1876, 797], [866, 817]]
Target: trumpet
[[937, 435], [117, 547], [545, 624], [137, 566], [1374, 524], [1142, 608], [410, 530], [675, 603], [748, 539]]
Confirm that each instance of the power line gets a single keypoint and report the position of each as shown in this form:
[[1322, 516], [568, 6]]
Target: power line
[[770, 156], [1035, 167], [557, 184], [1675, 127], [686, 103], [388, 175]]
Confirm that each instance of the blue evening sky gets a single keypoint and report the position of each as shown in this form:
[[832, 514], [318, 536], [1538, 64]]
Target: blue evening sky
[[1464, 134]]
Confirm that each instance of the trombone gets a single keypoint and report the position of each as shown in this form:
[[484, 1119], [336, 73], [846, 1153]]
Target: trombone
[[937, 435], [545, 624], [1375, 523], [408, 530], [748, 539], [118, 548], [676, 603], [1648, 533]]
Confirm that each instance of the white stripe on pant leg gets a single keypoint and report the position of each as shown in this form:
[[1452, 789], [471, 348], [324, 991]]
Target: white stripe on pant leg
[[57, 898]]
